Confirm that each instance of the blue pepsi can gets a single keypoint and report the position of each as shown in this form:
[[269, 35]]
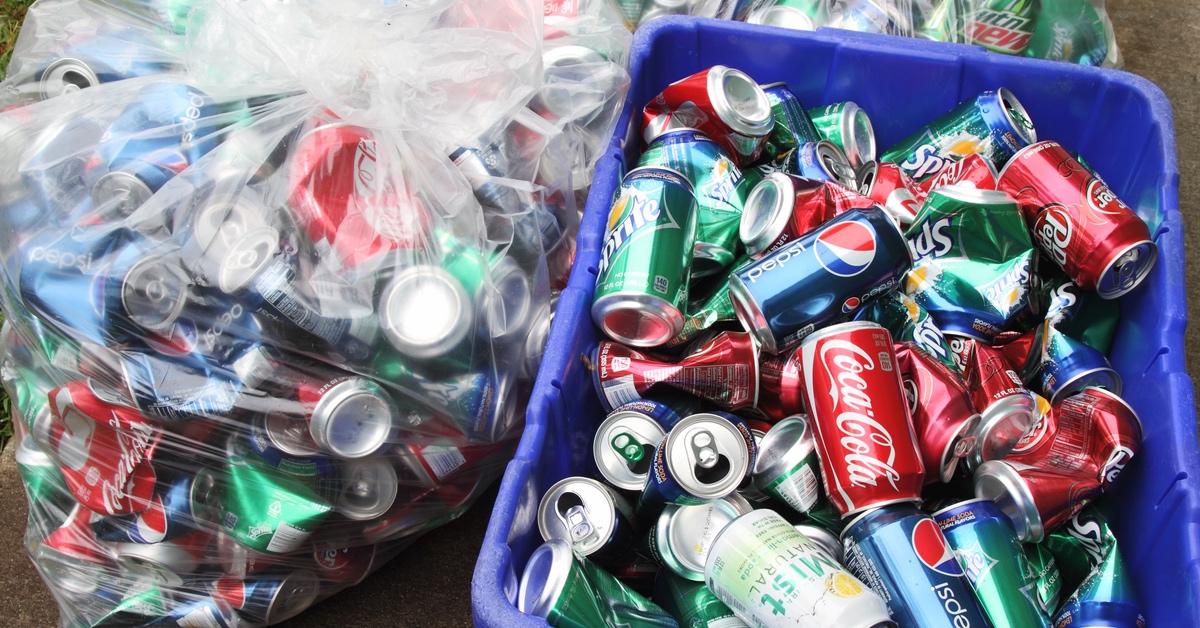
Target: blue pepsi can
[[268, 598], [821, 161], [820, 278], [129, 285], [103, 58], [1061, 366], [901, 553], [182, 502]]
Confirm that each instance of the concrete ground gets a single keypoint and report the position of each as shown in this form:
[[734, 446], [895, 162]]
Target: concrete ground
[[429, 584]]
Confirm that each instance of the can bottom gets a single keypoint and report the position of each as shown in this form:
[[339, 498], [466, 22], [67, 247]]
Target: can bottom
[[637, 320], [1126, 269]]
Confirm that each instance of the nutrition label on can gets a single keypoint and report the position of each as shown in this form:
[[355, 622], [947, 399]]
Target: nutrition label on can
[[728, 383], [621, 390], [287, 538], [797, 487]]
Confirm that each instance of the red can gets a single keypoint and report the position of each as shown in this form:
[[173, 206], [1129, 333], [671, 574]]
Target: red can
[[972, 170], [780, 386], [347, 565], [895, 191], [783, 206], [104, 450], [1006, 407], [869, 453], [72, 558], [723, 370], [1036, 500], [720, 102], [1078, 221], [943, 415], [341, 195]]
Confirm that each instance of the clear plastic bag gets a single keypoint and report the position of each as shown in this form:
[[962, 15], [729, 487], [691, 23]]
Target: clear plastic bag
[[274, 307]]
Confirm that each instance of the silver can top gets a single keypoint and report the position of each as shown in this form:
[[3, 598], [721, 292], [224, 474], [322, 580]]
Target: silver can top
[[1001, 425], [582, 512], [999, 481], [296, 592], [66, 75], [218, 227], [545, 577], [366, 488], [825, 540], [1017, 116], [858, 135], [785, 445], [567, 69], [163, 563], [154, 291], [835, 164], [739, 102], [247, 258], [707, 455], [623, 448], [289, 435], [507, 300], [353, 418], [685, 534], [425, 312], [766, 212], [118, 194]]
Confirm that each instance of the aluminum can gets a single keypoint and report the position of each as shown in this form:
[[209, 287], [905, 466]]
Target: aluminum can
[[406, 302], [894, 190], [345, 566], [1086, 548], [907, 321], [103, 58], [1048, 583], [993, 124], [165, 563], [1059, 366], [781, 389], [787, 467], [1004, 25], [269, 598], [943, 415], [849, 128], [825, 540], [681, 537], [783, 207], [625, 442], [972, 170], [813, 590], [642, 279], [901, 553], [363, 489], [723, 370], [723, 103], [987, 547], [692, 604], [822, 161], [830, 272], [1076, 31], [1035, 499], [1006, 407], [793, 127], [593, 518], [1077, 220], [801, 15], [72, 559], [267, 510], [865, 440], [183, 501], [704, 457], [872, 16]]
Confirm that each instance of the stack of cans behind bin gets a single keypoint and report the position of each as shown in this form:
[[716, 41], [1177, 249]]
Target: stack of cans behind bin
[[254, 349], [844, 391]]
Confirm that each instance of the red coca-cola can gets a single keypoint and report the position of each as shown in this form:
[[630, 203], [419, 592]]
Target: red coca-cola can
[[723, 370], [1079, 222], [783, 206], [1036, 500], [780, 386], [720, 102], [104, 449], [972, 170], [889, 186], [340, 194], [943, 415], [1006, 407], [865, 439]]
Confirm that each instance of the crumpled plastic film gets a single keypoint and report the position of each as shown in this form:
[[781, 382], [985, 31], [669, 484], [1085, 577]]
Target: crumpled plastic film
[[272, 317]]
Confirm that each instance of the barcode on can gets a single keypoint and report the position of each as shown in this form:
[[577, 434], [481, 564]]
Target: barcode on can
[[620, 390], [287, 538], [443, 459], [885, 361]]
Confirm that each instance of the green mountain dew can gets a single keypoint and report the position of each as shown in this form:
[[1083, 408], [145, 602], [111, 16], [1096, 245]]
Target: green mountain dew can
[[770, 575], [568, 591], [1045, 574], [993, 124], [849, 128], [1004, 25], [268, 510], [645, 262], [1075, 31], [717, 185], [692, 603], [986, 544]]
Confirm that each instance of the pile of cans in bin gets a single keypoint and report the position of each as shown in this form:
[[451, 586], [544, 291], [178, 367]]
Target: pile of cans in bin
[[1078, 31], [849, 392]]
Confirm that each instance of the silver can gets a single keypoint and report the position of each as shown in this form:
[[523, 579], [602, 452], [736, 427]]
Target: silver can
[[424, 312], [593, 518], [704, 456], [118, 194], [787, 467], [365, 489], [353, 417], [624, 447], [154, 291], [824, 539], [164, 563], [681, 537], [506, 302], [66, 75]]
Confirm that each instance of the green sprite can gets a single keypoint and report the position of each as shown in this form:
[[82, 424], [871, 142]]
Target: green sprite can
[[849, 128], [993, 124], [1004, 26], [787, 467], [645, 262], [1086, 546], [1080, 314], [692, 603], [986, 544], [793, 128], [908, 321], [1073, 30], [268, 510], [801, 15], [717, 308], [1045, 571], [1080, 544], [569, 591], [972, 260], [717, 185], [771, 575], [43, 480]]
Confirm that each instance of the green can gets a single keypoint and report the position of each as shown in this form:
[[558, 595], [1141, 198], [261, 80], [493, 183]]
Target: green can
[[972, 260], [1075, 31], [1004, 26], [43, 480], [1045, 572], [1080, 314], [1086, 546], [943, 20], [571, 592], [907, 321], [986, 544], [713, 310], [800, 15], [692, 603], [645, 262], [848, 127], [717, 185], [994, 125], [1079, 546], [793, 127], [268, 510]]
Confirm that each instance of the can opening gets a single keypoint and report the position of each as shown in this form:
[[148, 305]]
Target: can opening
[[716, 472]]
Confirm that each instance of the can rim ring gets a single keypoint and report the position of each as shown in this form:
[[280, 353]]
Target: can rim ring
[[1009, 104], [996, 414], [1002, 478], [646, 307], [757, 120], [961, 502], [321, 418], [59, 68], [598, 445], [751, 316], [1065, 389], [965, 430], [778, 431], [775, 207], [1145, 269], [553, 575]]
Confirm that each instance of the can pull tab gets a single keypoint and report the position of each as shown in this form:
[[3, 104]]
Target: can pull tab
[[575, 516], [704, 450], [627, 447]]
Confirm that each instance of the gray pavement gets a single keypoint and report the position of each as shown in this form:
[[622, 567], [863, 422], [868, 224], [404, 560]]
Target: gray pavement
[[429, 584]]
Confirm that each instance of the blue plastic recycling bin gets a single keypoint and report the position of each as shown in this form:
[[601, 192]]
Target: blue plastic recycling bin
[[1119, 122]]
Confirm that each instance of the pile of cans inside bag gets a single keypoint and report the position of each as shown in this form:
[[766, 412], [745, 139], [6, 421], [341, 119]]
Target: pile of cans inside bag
[[1077, 31], [183, 465], [849, 392]]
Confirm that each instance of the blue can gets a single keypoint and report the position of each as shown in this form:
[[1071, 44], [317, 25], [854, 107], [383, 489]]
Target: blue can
[[793, 126], [703, 457], [901, 553], [176, 390], [256, 442], [819, 279], [663, 414], [820, 161], [1061, 366], [104, 284], [103, 58], [268, 598], [182, 502]]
